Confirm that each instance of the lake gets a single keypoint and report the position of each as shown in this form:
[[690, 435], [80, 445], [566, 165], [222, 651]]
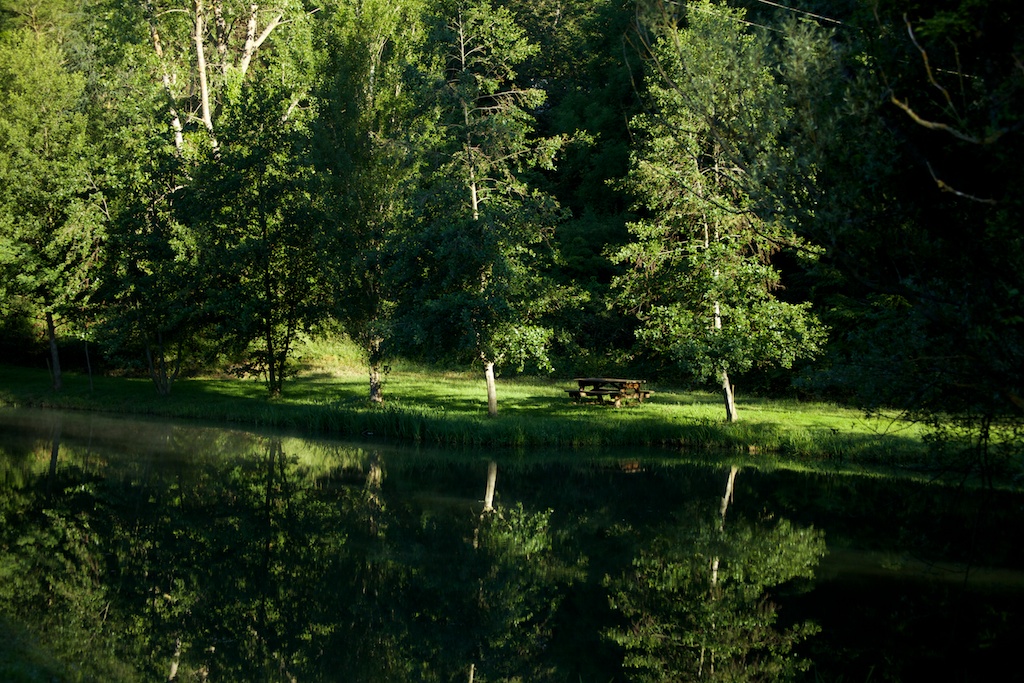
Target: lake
[[145, 550]]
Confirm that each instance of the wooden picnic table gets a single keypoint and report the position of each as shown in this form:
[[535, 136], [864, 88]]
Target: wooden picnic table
[[617, 389]]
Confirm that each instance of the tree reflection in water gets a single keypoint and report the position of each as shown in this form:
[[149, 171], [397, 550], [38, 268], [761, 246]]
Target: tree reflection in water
[[698, 600], [168, 552]]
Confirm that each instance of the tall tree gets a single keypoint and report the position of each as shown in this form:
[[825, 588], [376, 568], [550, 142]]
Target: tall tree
[[699, 274], [245, 192], [366, 147], [263, 248], [51, 222], [478, 258], [152, 298]]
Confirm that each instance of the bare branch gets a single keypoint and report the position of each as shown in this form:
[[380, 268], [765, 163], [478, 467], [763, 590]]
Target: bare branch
[[933, 125], [927, 65], [165, 77], [947, 188]]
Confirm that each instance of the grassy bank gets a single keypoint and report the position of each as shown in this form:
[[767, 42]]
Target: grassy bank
[[448, 409]]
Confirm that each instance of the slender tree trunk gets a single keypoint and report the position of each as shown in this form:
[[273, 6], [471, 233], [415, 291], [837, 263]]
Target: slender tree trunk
[[272, 378], [492, 392], [51, 332], [88, 366], [729, 398], [727, 393], [175, 659], [204, 87], [179, 137]]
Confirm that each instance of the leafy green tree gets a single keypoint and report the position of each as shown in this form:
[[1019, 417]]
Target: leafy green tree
[[592, 87], [476, 261], [699, 275], [51, 218], [366, 149], [263, 248], [152, 297], [226, 234]]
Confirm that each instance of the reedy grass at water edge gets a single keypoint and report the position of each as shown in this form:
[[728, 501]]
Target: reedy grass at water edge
[[449, 409]]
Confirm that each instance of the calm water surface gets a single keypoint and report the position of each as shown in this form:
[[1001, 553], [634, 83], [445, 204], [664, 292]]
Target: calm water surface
[[151, 551]]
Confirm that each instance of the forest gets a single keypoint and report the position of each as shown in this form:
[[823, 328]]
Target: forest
[[811, 197]]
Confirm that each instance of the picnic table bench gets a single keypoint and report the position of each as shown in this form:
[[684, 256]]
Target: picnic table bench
[[617, 390]]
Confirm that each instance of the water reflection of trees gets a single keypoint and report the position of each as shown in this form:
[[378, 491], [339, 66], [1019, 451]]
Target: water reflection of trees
[[698, 601], [266, 562]]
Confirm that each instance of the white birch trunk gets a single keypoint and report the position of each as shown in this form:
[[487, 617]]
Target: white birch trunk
[[492, 392], [175, 660], [729, 397], [204, 87], [172, 102], [727, 392]]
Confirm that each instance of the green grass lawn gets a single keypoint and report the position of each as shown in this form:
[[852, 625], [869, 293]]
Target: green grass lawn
[[444, 408]]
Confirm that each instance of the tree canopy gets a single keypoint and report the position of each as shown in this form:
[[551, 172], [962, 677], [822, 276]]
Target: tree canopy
[[817, 197]]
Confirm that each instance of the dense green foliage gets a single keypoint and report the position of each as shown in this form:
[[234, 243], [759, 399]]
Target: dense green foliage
[[826, 192]]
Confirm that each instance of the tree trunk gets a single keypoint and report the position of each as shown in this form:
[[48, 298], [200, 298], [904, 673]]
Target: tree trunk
[[730, 399], [492, 392], [376, 394], [204, 87], [179, 136], [376, 384], [51, 332], [175, 660], [88, 367]]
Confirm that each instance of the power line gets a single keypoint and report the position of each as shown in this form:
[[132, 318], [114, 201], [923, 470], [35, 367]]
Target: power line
[[800, 11]]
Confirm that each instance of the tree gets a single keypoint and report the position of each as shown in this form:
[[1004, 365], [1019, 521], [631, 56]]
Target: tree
[[477, 259], [244, 194], [699, 274], [51, 222], [263, 248], [152, 296], [205, 51], [592, 92], [367, 151]]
